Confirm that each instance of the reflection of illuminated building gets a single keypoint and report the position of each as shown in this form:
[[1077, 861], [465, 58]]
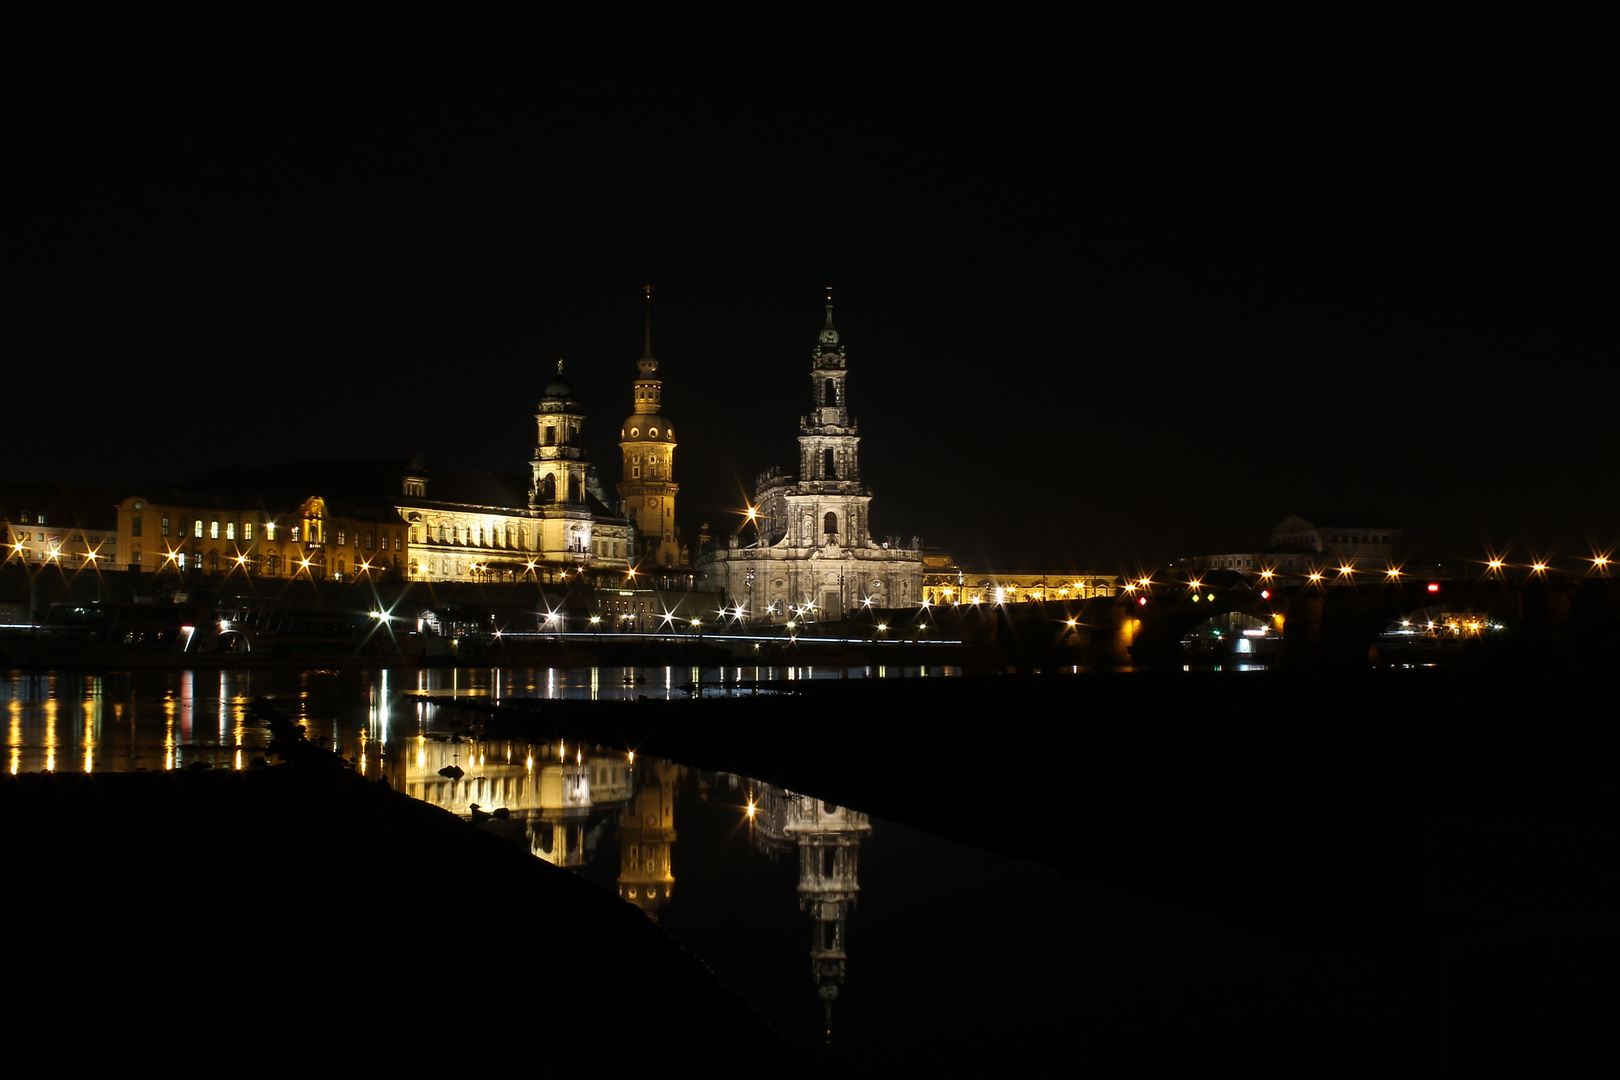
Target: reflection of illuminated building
[[645, 836], [555, 801], [829, 841], [558, 834]]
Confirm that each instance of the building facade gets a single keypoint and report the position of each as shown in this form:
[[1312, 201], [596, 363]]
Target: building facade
[[473, 525], [811, 554]]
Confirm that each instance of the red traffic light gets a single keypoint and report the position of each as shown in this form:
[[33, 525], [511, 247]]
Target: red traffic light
[[1434, 586]]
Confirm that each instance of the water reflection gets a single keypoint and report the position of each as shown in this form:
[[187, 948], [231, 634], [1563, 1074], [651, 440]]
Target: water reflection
[[829, 841]]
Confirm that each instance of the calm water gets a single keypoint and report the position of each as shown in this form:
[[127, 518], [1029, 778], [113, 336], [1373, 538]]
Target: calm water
[[865, 943]]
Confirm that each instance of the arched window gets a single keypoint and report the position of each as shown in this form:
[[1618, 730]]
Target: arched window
[[829, 393], [548, 489], [573, 489], [213, 562], [829, 464], [829, 524]]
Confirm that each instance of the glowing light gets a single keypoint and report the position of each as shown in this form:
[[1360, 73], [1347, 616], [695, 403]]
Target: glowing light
[[1315, 576], [1267, 574], [1495, 564], [1393, 573], [1539, 567], [1347, 569]]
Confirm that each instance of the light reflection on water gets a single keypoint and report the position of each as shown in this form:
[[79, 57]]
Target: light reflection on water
[[170, 719]]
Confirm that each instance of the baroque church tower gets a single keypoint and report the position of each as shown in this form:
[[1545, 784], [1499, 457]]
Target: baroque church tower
[[647, 443], [829, 465], [812, 555]]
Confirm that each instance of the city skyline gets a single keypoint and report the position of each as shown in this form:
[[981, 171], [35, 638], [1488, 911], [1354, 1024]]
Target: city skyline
[[1084, 326]]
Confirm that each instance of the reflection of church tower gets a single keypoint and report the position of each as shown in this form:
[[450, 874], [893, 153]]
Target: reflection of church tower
[[558, 494], [648, 445], [645, 836], [829, 839]]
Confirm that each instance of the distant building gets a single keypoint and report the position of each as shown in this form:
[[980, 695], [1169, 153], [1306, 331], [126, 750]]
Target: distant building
[[43, 524], [959, 586], [232, 526], [812, 554], [1302, 544]]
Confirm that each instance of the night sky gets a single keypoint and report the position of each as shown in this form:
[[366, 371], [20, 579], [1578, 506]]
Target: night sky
[[1106, 296]]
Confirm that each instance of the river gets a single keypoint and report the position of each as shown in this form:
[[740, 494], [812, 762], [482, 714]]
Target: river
[[865, 943]]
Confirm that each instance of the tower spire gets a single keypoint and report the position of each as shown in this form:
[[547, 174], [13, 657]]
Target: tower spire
[[829, 333], [646, 352]]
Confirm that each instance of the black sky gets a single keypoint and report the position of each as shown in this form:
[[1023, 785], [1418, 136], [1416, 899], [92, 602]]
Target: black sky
[[1106, 295]]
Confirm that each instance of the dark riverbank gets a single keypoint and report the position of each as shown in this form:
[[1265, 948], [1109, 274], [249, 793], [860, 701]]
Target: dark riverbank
[[1455, 825], [306, 919]]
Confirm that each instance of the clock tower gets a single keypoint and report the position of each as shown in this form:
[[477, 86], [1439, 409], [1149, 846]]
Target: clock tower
[[647, 443]]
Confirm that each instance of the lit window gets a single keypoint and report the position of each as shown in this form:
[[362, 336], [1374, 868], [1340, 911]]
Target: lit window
[[213, 530], [269, 530], [230, 530], [247, 530], [196, 528]]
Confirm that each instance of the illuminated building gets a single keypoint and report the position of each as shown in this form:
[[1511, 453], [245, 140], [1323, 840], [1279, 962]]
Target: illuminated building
[[227, 528], [647, 492], [475, 525], [811, 554], [45, 525], [948, 587]]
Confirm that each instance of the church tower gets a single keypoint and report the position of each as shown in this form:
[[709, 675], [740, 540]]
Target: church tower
[[828, 441], [558, 495], [647, 443], [812, 556]]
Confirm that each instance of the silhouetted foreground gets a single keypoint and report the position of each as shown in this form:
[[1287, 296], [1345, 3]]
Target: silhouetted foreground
[[303, 917]]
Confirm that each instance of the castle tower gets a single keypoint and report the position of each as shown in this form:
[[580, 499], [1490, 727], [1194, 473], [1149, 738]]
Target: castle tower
[[647, 443], [559, 464]]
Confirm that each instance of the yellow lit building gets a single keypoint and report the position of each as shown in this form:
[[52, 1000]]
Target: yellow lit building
[[953, 587], [463, 525], [216, 534]]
